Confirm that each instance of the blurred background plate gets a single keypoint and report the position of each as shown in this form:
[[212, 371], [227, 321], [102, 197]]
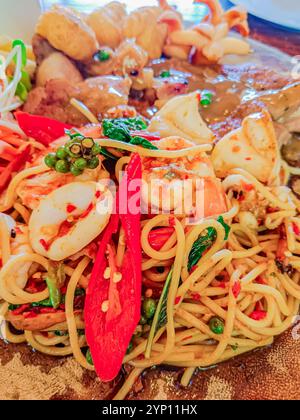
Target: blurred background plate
[[191, 12], [282, 12], [18, 18]]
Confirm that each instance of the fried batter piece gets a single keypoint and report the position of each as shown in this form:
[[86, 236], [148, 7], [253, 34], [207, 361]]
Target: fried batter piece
[[68, 32], [107, 22]]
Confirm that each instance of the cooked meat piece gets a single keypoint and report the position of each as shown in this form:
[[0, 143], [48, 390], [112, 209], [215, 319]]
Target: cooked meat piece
[[40, 322], [291, 151], [41, 48], [259, 78], [99, 67], [128, 58], [57, 66], [234, 121], [98, 94], [295, 185], [68, 32]]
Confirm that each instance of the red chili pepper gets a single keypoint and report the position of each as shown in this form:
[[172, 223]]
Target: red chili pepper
[[43, 130], [258, 315], [158, 237], [14, 166], [49, 311], [109, 333], [281, 249], [260, 280], [296, 229], [236, 289], [71, 208], [21, 309], [247, 187], [33, 286], [45, 244], [177, 300], [145, 135], [28, 315]]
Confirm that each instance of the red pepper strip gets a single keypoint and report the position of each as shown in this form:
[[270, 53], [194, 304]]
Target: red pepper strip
[[14, 166], [281, 249], [296, 229], [158, 237], [236, 289], [109, 333], [43, 130], [21, 309], [145, 135], [258, 315]]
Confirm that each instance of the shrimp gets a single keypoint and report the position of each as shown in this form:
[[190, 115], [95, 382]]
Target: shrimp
[[32, 190], [19, 244], [175, 185], [69, 219]]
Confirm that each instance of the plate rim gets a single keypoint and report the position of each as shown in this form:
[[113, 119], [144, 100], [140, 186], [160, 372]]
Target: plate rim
[[265, 17]]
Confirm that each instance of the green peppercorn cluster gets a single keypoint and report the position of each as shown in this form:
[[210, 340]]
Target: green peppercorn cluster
[[78, 154]]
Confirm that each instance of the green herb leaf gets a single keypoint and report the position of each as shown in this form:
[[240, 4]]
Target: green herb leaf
[[146, 144], [116, 130], [13, 307], [160, 317], [165, 74], [47, 303], [225, 226], [61, 333], [205, 242], [103, 55], [200, 246], [107, 154], [119, 129]]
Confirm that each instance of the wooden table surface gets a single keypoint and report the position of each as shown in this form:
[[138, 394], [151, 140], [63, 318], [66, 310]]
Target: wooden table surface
[[286, 40]]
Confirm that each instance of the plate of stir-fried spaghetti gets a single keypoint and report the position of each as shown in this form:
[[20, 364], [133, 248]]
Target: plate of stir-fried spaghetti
[[149, 197]]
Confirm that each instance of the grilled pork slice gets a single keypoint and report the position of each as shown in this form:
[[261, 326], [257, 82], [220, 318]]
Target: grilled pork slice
[[99, 94]]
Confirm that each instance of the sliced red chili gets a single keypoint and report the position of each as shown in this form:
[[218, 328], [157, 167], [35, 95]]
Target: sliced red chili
[[236, 289], [109, 332], [258, 315], [158, 237], [14, 166], [44, 130]]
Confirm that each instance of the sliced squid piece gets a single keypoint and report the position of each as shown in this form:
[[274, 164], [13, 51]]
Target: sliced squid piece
[[69, 219], [181, 117], [252, 147]]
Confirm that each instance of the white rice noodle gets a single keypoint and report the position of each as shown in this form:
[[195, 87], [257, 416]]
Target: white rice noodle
[[7, 97]]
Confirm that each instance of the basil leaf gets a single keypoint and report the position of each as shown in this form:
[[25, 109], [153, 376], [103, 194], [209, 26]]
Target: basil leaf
[[203, 243], [119, 129], [116, 130], [146, 144], [225, 226], [200, 246]]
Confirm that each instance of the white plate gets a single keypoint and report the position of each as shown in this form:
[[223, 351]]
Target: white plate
[[282, 12]]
